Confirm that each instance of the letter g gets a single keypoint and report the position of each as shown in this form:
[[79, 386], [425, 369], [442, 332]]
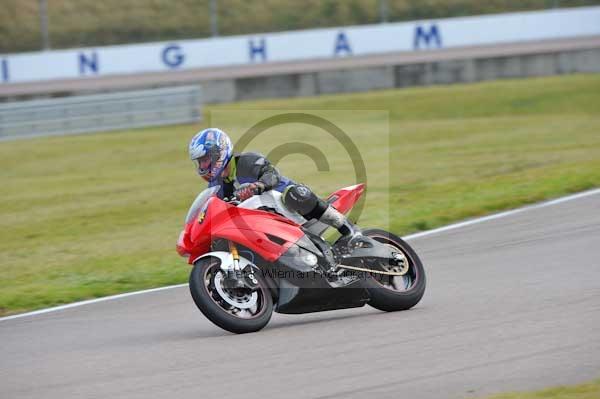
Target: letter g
[[173, 56]]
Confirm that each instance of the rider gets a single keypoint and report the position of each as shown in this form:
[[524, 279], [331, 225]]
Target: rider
[[247, 174]]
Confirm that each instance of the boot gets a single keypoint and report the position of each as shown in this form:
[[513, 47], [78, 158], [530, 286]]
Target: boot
[[350, 232]]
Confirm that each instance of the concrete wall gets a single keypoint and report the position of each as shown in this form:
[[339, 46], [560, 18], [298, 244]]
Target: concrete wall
[[404, 75]]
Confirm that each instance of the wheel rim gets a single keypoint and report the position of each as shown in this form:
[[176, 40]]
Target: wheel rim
[[396, 283], [242, 303]]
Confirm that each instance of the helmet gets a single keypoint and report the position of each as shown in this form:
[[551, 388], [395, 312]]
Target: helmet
[[211, 151]]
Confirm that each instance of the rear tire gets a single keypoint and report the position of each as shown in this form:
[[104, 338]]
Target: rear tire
[[205, 274], [401, 292]]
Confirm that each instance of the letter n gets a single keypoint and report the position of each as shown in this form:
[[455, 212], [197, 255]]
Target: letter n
[[88, 63]]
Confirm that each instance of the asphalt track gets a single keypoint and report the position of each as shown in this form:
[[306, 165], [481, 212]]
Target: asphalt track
[[513, 303]]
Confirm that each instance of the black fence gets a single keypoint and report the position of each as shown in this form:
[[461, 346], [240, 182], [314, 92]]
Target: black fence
[[29, 25]]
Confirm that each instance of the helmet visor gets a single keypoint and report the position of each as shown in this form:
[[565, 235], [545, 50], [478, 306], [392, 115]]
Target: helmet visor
[[203, 164]]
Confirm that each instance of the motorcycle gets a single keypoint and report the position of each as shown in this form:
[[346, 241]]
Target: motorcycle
[[254, 257]]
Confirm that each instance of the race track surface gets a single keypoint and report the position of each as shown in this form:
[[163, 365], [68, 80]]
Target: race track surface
[[512, 303]]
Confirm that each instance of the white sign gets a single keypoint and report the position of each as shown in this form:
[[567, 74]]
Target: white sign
[[299, 45]]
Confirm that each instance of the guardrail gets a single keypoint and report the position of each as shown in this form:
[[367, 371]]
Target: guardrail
[[101, 112]]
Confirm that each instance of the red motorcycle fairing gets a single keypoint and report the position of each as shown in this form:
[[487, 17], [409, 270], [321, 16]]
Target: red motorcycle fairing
[[344, 199], [268, 234]]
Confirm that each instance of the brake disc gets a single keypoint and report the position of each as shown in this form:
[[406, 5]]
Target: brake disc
[[245, 301]]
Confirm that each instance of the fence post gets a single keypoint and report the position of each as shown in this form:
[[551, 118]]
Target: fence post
[[383, 11], [214, 18], [44, 24]]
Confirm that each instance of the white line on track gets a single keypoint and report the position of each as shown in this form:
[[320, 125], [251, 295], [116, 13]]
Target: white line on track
[[76, 304], [409, 237], [504, 214]]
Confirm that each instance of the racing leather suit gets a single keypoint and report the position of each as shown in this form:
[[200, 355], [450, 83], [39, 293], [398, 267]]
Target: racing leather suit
[[250, 167]]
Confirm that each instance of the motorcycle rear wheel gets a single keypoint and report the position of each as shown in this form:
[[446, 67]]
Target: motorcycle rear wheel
[[218, 303], [393, 293]]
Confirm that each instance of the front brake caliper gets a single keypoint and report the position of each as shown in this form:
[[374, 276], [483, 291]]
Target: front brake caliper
[[250, 279]]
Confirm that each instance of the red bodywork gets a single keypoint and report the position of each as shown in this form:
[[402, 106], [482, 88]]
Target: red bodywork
[[345, 198], [250, 227]]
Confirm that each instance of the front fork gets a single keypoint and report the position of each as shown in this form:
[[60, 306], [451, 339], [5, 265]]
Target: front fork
[[236, 258], [241, 278]]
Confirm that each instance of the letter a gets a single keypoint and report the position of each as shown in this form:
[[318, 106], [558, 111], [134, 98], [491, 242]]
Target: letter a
[[342, 44]]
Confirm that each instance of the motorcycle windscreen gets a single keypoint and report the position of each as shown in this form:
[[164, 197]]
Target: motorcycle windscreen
[[200, 202]]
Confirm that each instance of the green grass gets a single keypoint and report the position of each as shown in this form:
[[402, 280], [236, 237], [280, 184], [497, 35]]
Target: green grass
[[92, 215], [584, 391], [77, 23]]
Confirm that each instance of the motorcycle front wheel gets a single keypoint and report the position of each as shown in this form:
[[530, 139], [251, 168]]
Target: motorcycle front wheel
[[238, 310], [393, 293]]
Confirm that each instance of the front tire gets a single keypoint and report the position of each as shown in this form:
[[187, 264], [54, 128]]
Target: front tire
[[237, 311], [393, 293]]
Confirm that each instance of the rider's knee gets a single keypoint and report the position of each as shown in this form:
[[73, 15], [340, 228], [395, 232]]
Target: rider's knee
[[301, 199]]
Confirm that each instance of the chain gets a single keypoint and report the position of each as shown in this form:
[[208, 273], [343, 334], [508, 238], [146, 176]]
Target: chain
[[400, 273]]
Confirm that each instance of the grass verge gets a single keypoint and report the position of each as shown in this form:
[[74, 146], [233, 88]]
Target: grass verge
[[589, 390]]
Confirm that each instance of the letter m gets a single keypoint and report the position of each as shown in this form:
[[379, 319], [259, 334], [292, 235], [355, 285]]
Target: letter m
[[421, 35]]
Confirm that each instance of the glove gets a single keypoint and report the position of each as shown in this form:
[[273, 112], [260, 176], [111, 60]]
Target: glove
[[247, 190]]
